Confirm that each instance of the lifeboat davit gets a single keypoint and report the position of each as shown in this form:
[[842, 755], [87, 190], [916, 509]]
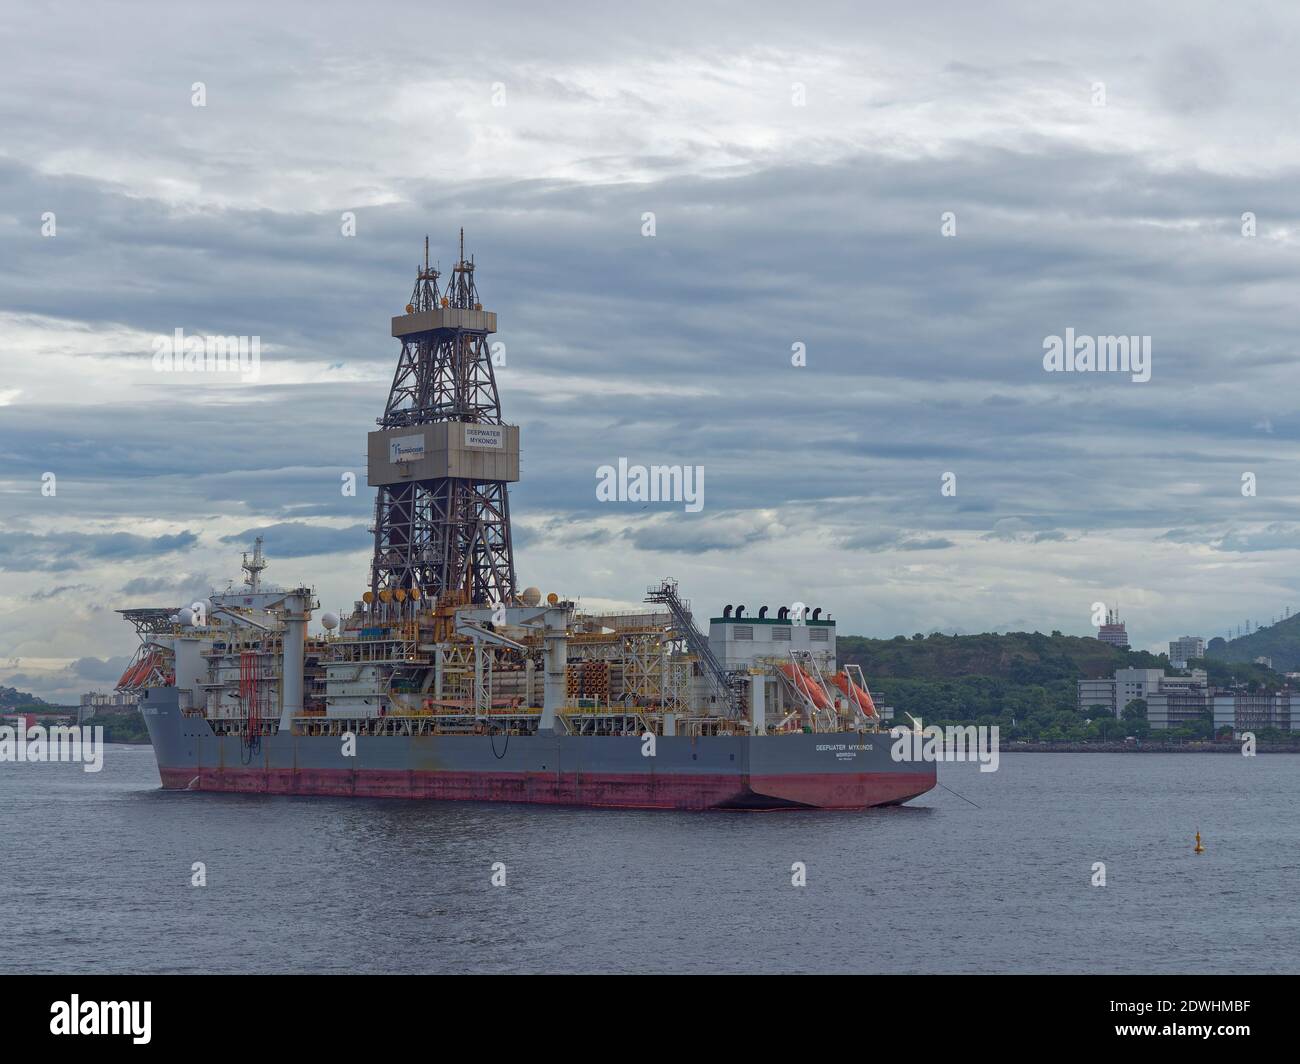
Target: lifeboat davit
[[854, 693], [807, 685]]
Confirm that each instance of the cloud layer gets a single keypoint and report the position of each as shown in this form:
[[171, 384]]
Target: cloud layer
[[1098, 172]]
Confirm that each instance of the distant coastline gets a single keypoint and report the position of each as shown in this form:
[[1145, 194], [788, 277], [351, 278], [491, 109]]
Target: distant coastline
[[1145, 746]]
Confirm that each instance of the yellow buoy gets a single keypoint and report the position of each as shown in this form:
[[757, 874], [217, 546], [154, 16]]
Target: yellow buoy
[[1199, 848]]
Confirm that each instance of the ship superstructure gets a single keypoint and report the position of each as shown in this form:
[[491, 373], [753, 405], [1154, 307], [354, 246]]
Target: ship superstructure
[[444, 681]]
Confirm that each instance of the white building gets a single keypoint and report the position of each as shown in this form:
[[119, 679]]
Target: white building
[[1176, 706], [1184, 649], [1135, 683], [1243, 711], [1198, 679], [1130, 684], [1097, 693], [110, 700]]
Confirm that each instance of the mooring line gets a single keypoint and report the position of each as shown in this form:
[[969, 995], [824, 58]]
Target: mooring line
[[951, 791]]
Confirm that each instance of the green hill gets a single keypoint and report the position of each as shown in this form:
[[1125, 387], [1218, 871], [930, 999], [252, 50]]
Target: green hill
[[1021, 657], [1280, 642], [11, 699], [1023, 677]]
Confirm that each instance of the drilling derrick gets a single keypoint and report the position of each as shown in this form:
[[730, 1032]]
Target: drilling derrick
[[442, 456]]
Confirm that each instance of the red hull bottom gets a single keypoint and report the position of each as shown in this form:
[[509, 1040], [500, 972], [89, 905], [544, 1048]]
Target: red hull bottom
[[639, 791]]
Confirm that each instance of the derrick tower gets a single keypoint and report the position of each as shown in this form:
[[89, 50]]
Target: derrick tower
[[442, 456]]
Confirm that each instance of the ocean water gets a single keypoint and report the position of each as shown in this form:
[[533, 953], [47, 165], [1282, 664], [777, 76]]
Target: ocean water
[[95, 874]]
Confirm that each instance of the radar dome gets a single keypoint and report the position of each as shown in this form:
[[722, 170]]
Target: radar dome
[[185, 616], [329, 620], [531, 596]]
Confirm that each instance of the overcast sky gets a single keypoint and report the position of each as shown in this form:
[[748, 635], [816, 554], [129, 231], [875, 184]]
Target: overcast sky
[[1097, 161]]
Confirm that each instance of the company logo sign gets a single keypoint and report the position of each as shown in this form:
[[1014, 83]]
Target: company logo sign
[[405, 448]]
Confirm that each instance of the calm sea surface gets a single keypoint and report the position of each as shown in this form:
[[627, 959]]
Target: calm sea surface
[[95, 877]]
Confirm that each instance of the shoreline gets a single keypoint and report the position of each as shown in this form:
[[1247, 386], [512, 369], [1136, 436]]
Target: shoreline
[[1186, 746]]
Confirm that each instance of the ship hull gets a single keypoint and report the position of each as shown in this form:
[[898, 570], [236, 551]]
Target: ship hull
[[844, 770]]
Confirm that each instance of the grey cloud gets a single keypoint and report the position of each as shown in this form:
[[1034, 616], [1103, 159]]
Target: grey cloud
[[893, 539], [173, 588], [1192, 80], [1255, 538], [98, 670], [146, 585], [297, 539], [560, 531], [690, 533], [924, 352], [63, 589], [1271, 537], [70, 550], [1023, 529]]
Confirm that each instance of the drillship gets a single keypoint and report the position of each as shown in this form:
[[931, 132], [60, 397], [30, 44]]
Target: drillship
[[446, 682]]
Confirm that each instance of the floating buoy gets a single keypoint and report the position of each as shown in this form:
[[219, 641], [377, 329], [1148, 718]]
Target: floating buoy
[[1199, 848]]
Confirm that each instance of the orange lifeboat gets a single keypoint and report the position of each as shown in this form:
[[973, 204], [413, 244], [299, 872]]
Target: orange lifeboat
[[807, 685], [138, 673], [855, 693]]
